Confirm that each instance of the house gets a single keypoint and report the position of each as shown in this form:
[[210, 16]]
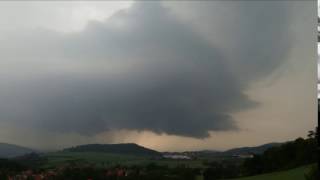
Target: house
[[176, 156]]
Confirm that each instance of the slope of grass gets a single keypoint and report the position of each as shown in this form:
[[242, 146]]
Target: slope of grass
[[293, 174]]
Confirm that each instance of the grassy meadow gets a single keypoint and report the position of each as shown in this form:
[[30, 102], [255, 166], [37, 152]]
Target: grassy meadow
[[111, 159], [292, 174]]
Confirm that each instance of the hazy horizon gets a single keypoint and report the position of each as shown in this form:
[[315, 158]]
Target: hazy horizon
[[171, 76]]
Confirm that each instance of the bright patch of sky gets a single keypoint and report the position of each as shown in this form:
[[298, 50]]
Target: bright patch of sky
[[58, 16]]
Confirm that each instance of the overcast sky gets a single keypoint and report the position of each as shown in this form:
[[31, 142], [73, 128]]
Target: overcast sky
[[166, 75], [318, 52]]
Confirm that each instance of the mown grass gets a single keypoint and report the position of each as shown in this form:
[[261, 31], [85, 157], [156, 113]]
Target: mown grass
[[293, 174]]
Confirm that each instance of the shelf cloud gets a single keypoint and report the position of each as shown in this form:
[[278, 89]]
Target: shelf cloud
[[142, 69]]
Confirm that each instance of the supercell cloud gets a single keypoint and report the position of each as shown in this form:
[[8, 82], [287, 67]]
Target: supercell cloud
[[142, 69]]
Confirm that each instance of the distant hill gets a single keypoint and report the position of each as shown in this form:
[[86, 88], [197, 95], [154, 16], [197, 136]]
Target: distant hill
[[251, 150], [235, 151], [128, 148], [10, 150]]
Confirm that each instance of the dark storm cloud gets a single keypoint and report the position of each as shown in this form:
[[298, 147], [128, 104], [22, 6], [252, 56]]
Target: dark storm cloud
[[140, 70], [255, 35]]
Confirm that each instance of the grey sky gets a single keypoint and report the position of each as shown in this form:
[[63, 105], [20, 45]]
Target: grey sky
[[172, 70]]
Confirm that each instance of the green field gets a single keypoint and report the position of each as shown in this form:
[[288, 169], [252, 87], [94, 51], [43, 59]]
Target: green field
[[293, 174], [108, 159]]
